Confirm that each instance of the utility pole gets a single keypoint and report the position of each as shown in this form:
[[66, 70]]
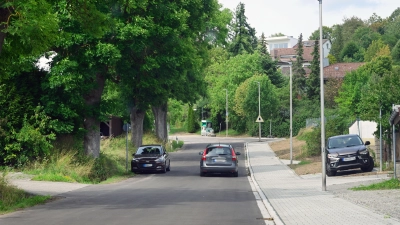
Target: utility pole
[[259, 112], [226, 112]]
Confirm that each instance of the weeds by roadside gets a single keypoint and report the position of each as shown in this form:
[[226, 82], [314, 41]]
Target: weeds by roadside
[[67, 164], [12, 198], [385, 185]]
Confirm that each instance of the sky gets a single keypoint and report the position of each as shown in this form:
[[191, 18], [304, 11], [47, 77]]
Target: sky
[[292, 17]]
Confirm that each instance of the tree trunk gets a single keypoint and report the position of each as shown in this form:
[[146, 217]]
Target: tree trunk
[[160, 115], [137, 117], [92, 137], [91, 122]]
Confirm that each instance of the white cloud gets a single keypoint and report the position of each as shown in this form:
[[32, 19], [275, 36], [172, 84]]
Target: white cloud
[[293, 17]]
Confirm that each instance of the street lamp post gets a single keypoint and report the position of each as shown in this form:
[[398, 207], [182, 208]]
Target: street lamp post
[[291, 109], [259, 112], [226, 112], [321, 57], [291, 117]]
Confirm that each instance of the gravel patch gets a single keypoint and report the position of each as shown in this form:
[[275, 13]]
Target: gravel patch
[[384, 202]]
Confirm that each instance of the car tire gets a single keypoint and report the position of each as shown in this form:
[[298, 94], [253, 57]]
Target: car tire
[[370, 167], [169, 166], [236, 174], [202, 174], [329, 172]]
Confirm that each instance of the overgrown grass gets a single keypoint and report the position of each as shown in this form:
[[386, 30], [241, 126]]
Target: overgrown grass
[[68, 164], [175, 130], [304, 162], [385, 185], [12, 198]]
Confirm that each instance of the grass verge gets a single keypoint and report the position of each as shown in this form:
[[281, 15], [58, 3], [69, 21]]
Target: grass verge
[[12, 198], [385, 185], [67, 164]]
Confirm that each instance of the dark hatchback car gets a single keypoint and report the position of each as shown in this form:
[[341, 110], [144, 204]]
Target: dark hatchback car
[[219, 158], [345, 152], [152, 158]]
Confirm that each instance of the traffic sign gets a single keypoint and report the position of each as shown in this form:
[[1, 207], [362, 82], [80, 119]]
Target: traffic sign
[[259, 120]]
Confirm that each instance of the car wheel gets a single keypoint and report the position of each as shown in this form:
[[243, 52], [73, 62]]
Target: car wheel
[[169, 166], [202, 174], [236, 174], [329, 172], [370, 167]]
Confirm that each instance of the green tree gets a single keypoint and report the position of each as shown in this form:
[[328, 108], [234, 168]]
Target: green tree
[[191, 128], [376, 48], [246, 101], [352, 53], [326, 33], [243, 36], [269, 66], [337, 41], [396, 53], [27, 30], [354, 86], [349, 26], [299, 79], [364, 36], [392, 34], [164, 54], [313, 81]]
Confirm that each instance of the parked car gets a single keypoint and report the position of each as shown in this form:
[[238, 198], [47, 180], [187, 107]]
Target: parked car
[[219, 158], [151, 158], [345, 152]]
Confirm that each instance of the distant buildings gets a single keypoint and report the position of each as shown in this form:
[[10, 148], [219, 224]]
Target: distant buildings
[[283, 50]]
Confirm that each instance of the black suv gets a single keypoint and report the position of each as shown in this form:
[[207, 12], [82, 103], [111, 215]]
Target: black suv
[[219, 158], [345, 152]]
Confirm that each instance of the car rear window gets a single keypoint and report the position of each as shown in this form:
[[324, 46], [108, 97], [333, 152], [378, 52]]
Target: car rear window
[[219, 151]]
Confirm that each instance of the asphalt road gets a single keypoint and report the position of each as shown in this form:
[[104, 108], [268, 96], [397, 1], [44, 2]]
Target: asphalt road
[[178, 197]]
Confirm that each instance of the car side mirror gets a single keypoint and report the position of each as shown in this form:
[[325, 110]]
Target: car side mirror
[[237, 153], [367, 143], [200, 153], [133, 154]]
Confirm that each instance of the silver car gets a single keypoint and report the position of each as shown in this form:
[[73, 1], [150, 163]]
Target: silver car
[[219, 158]]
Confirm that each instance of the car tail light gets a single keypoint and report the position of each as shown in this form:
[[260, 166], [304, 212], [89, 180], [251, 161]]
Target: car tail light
[[234, 157], [204, 155]]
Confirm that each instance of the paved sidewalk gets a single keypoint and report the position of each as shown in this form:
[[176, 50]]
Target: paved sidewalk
[[24, 182], [301, 201]]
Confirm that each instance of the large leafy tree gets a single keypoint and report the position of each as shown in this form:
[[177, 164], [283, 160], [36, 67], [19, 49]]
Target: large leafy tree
[[352, 52], [27, 29], [349, 26], [365, 36], [396, 53], [229, 74], [313, 81], [337, 41], [353, 87], [246, 101], [299, 79], [164, 54], [376, 48], [243, 36], [392, 27]]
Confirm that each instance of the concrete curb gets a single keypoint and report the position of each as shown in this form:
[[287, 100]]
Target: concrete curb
[[253, 182]]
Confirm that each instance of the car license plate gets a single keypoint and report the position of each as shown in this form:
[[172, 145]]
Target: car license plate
[[349, 159], [147, 165], [219, 160]]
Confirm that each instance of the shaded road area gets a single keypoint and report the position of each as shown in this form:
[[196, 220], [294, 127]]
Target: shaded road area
[[180, 196]]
